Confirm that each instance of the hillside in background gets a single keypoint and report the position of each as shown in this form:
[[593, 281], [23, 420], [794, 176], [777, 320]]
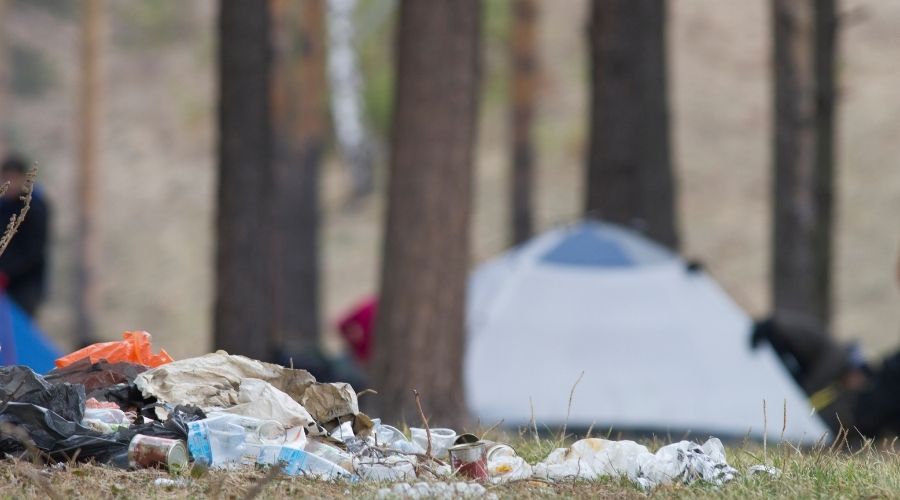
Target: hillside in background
[[158, 167]]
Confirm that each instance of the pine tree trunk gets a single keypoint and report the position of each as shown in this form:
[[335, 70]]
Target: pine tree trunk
[[299, 100], [242, 310], [630, 177], [87, 298], [5, 62], [804, 48], [524, 80], [420, 324]]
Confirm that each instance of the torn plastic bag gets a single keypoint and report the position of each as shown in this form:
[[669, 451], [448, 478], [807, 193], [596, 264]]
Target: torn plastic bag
[[133, 348], [63, 439], [53, 434], [213, 380], [96, 376], [594, 458], [21, 385], [688, 462], [260, 399]]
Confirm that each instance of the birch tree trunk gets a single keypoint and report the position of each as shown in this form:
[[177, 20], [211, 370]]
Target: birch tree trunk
[[347, 105]]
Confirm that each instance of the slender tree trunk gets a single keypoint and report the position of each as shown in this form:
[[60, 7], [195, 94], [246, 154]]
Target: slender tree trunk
[[347, 106], [524, 92], [630, 177], [242, 308], [5, 62], [420, 324], [299, 113], [803, 54], [87, 298]]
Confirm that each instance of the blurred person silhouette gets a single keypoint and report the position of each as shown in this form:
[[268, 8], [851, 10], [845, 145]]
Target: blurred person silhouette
[[23, 266], [355, 327], [843, 387]]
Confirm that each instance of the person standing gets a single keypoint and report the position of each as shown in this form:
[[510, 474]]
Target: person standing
[[23, 266]]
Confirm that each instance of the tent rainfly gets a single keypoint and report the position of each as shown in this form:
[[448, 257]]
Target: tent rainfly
[[662, 346]]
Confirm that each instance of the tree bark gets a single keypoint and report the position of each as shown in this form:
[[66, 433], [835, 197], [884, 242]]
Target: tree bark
[[242, 310], [420, 323], [299, 114], [524, 80], [804, 80], [630, 177], [5, 62], [87, 298]]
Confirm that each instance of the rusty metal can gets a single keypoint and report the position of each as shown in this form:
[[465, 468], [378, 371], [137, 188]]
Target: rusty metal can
[[469, 460], [152, 451], [466, 438]]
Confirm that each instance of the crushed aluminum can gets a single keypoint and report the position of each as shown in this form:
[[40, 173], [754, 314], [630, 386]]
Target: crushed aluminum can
[[469, 459], [151, 451]]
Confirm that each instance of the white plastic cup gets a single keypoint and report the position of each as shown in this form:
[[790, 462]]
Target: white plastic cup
[[441, 440]]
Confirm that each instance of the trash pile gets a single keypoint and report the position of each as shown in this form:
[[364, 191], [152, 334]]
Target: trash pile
[[117, 403]]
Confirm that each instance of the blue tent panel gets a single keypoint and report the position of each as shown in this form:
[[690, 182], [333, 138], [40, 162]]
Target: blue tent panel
[[587, 247], [22, 342]]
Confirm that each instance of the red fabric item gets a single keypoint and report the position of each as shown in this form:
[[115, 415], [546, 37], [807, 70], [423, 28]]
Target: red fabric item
[[357, 327], [4, 281]]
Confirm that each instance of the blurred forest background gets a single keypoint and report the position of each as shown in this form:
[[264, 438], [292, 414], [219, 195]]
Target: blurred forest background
[[156, 172]]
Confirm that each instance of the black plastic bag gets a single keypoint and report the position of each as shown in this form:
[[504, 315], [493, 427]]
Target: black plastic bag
[[95, 377], [63, 440], [52, 434], [19, 384]]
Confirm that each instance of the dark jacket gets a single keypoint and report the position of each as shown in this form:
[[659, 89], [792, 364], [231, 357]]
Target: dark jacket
[[25, 261]]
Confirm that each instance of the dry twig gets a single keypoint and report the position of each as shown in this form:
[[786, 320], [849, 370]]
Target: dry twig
[[569, 409], [424, 422], [16, 220]]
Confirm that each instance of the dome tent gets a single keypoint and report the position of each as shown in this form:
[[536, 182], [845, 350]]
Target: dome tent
[[662, 346]]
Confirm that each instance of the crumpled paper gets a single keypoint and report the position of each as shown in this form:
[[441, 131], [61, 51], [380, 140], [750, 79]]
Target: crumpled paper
[[327, 402], [684, 462], [260, 399], [214, 380]]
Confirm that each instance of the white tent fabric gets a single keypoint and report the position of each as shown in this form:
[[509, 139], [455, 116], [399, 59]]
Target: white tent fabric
[[661, 347]]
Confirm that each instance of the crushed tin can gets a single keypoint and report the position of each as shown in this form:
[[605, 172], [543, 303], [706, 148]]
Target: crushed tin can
[[151, 451], [470, 460]]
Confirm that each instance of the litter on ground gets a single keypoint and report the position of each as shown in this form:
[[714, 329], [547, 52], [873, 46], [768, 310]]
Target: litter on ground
[[138, 410]]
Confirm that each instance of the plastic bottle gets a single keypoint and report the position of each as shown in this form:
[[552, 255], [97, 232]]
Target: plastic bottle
[[226, 440], [297, 462]]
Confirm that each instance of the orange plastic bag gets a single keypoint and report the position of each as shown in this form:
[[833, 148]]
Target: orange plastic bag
[[133, 348]]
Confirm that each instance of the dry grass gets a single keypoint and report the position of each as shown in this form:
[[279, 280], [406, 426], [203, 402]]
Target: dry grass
[[820, 473]]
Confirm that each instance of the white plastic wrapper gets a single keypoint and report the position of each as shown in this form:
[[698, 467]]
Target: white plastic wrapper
[[765, 470], [508, 468], [685, 462]]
